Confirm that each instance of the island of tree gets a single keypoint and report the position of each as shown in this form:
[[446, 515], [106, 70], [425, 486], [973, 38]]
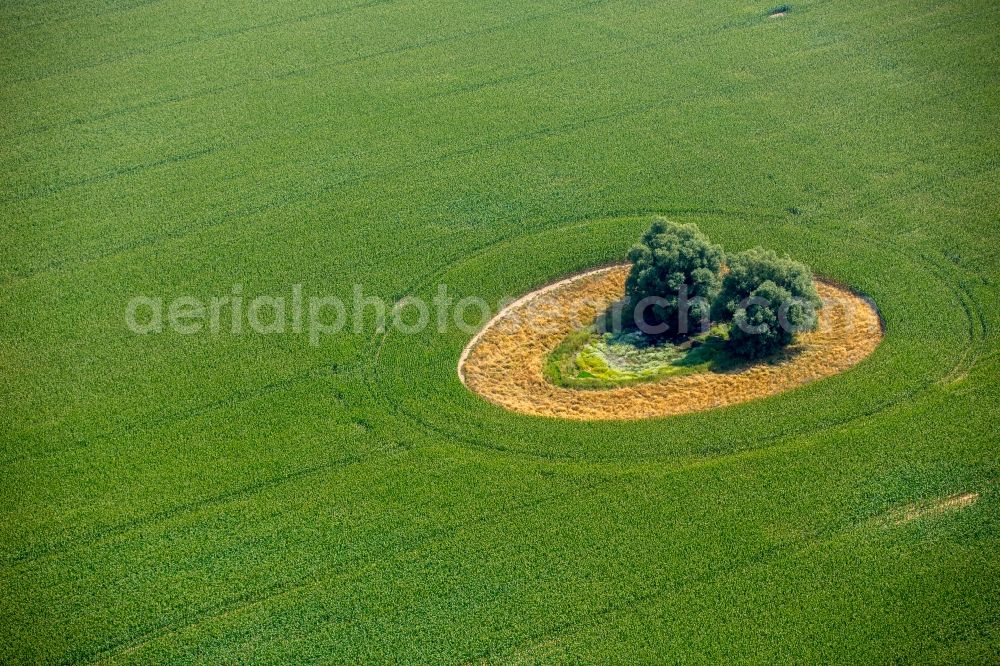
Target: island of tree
[[681, 284]]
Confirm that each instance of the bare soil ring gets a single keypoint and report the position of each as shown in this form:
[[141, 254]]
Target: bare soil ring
[[504, 362]]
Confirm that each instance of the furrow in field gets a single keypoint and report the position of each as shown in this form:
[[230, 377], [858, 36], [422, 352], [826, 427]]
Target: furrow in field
[[299, 72], [347, 571], [159, 421], [285, 200], [459, 89], [58, 20], [881, 406], [641, 602], [195, 39], [128, 170], [243, 492]]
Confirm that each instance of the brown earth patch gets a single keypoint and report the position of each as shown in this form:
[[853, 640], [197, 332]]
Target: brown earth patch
[[503, 363], [935, 508]]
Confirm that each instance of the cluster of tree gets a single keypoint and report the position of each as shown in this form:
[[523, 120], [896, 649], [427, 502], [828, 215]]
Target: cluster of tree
[[681, 282]]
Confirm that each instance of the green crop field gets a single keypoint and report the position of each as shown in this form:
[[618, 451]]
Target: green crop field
[[224, 496]]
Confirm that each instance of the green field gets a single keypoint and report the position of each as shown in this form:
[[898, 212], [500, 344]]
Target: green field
[[257, 498]]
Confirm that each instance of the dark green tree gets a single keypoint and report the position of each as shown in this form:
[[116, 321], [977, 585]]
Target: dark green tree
[[750, 269], [674, 278], [768, 299], [768, 321]]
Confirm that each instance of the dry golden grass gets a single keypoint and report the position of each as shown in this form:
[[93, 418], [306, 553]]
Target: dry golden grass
[[504, 362]]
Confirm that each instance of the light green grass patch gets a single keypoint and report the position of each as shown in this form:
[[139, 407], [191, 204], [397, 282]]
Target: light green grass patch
[[589, 358]]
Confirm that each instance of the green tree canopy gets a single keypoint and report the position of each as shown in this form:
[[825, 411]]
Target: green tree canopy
[[767, 321], [674, 278], [768, 298], [750, 269]]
